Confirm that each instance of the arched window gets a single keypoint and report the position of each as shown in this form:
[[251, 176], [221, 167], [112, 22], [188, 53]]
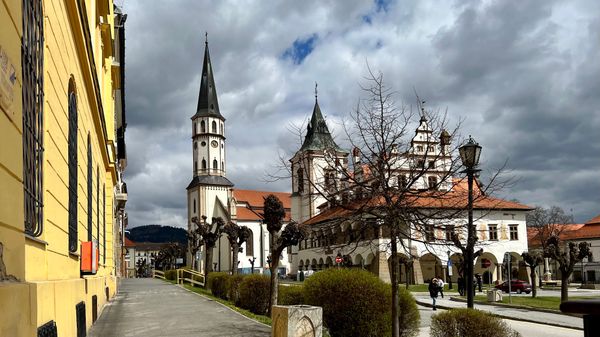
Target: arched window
[[204, 164], [202, 127], [214, 127], [72, 163], [89, 188], [195, 166], [222, 130], [300, 174], [250, 244], [223, 166], [215, 164]]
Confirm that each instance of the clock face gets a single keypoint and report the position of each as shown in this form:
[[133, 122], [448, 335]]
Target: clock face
[[214, 143]]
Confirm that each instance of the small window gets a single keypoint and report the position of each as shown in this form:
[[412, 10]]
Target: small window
[[430, 149], [202, 127], [215, 164], [449, 232], [431, 164], [514, 232], [250, 244], [214, 127], [203, 144], [493, 232], [420, 163], [432, 182], [419, 148], [402, 181], [204, 164], [429, 233], [222, 165]]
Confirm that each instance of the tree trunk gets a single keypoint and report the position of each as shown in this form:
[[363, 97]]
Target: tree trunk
[[207, 264], [394, 279], [564, 287], [533, 282], [274, 278], [469, 286], [407, 271], [234, 259]]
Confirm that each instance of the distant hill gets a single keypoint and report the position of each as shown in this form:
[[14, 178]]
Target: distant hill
[[157, 233]]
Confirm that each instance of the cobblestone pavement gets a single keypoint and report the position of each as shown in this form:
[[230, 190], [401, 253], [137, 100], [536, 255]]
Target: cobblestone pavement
[[151, 307]]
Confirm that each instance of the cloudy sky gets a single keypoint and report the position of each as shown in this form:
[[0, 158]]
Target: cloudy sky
[[524, 76]]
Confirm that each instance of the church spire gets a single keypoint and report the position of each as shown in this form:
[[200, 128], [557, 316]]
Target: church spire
[[208, 105], [318, 136]]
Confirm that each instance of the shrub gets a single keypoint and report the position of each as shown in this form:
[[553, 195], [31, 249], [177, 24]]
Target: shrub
[[233, 288], [290, 295], [171, 274], [357, 303], [255, 293], [408, 313], [469, 323], [217, 283]]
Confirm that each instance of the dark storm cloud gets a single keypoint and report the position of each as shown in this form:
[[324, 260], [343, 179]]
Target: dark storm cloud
[[524, 76]]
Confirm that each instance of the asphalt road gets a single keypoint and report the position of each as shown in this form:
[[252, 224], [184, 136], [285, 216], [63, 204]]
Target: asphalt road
[[154, 308]]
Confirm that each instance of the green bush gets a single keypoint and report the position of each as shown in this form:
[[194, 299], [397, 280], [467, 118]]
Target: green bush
[[408, 313], [255, 293], [171, 274], [469, 323], [217, 283], [233, 288], [290, 295], [357, 303]]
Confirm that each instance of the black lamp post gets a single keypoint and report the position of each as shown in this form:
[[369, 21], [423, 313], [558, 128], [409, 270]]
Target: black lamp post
[[469, 154]]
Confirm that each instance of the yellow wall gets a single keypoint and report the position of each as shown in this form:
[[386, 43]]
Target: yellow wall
[[49, 283]]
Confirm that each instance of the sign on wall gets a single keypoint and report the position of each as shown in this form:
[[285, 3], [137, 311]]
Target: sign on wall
[[8, 78]]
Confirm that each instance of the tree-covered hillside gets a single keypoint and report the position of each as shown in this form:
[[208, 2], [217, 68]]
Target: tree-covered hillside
[[157, 233]]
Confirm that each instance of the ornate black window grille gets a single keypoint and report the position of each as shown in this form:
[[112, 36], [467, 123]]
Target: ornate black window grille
[[98, 205], [89, 190], [80, 318], [72, 138], [48, 330], [32, 62]]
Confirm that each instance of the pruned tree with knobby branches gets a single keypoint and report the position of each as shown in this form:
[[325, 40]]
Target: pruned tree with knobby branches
[[533, 260], [208, 234], [236, 235], [273, 217], [567, 254]]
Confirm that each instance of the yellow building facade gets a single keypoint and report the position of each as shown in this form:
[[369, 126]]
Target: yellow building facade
[[62, 155]]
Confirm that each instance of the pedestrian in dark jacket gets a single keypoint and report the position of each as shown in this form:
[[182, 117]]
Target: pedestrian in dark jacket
[[433, 290], [461, 286]]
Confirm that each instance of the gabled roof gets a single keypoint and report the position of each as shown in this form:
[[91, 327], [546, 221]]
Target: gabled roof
[[208, 105], [318, 137], [250, 203], [595, 220], [453, 200]]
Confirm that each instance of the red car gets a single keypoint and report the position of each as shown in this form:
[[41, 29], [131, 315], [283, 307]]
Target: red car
[[519, 286]]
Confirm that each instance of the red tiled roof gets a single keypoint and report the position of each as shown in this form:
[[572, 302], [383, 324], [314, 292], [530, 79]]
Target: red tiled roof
[[566, 232], [254, 201], [595, 220], [456, 199], [129, 243]]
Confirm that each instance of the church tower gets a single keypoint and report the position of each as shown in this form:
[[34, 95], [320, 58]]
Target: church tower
[[210, 192], [315, 167]]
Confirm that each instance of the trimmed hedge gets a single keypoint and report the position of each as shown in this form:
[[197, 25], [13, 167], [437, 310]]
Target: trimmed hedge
[[357, 303], [255, 293], [171, 274], [233, 288], [408, 313], [217, 283], [469, 323], [290, 295]]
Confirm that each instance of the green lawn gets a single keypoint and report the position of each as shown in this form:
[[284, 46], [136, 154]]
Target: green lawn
[[544, 302], [424, 288]]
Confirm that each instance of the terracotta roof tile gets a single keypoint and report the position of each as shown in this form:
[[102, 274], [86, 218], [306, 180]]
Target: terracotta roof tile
[[595, 220], [129, 243], [256, 198]]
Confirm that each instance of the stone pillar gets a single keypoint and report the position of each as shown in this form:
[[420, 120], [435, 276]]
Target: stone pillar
[[297, 321], [417, 272], [547, 272], [381, 267], [499, 272], [444, 272]]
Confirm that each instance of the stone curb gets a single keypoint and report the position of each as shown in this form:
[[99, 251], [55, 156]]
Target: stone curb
[[515, 306], [426, 304]]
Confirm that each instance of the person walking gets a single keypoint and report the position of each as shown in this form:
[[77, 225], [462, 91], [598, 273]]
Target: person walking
[[433, 290], [461, 286], [441, 286]]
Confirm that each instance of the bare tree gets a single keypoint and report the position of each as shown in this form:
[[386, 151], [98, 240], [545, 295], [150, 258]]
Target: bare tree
[[194, 245], [533, 260], [236, 235], [168, 255], [567, 254], [274, 214], [208, 234]]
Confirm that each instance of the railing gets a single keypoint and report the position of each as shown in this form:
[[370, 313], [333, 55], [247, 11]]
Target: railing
[[194, 277], [158, 274]]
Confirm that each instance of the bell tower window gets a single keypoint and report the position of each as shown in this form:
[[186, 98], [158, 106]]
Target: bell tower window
[[215, 164], [202, 127], [214, 127], [300, 174], [204, 164]]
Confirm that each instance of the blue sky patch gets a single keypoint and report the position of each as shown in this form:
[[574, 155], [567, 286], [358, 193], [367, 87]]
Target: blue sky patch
[[300, 49]]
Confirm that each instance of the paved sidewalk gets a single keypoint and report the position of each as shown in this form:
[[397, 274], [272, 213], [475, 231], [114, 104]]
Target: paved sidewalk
[[525, 315], [153, 308]]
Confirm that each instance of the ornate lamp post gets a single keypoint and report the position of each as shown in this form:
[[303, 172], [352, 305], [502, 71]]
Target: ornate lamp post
[[449, 270], [469, 154]]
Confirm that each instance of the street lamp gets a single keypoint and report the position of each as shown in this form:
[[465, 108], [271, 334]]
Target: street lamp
[[449, 270], [469, 155]]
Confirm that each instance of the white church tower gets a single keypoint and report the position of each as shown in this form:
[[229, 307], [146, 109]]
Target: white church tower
[[316, 167], [210, 192]]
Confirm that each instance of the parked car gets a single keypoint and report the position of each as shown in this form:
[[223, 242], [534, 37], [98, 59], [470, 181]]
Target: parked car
[[519, 286]]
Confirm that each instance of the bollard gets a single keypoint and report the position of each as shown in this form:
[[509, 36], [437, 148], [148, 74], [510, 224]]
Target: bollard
[[297, 321]]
